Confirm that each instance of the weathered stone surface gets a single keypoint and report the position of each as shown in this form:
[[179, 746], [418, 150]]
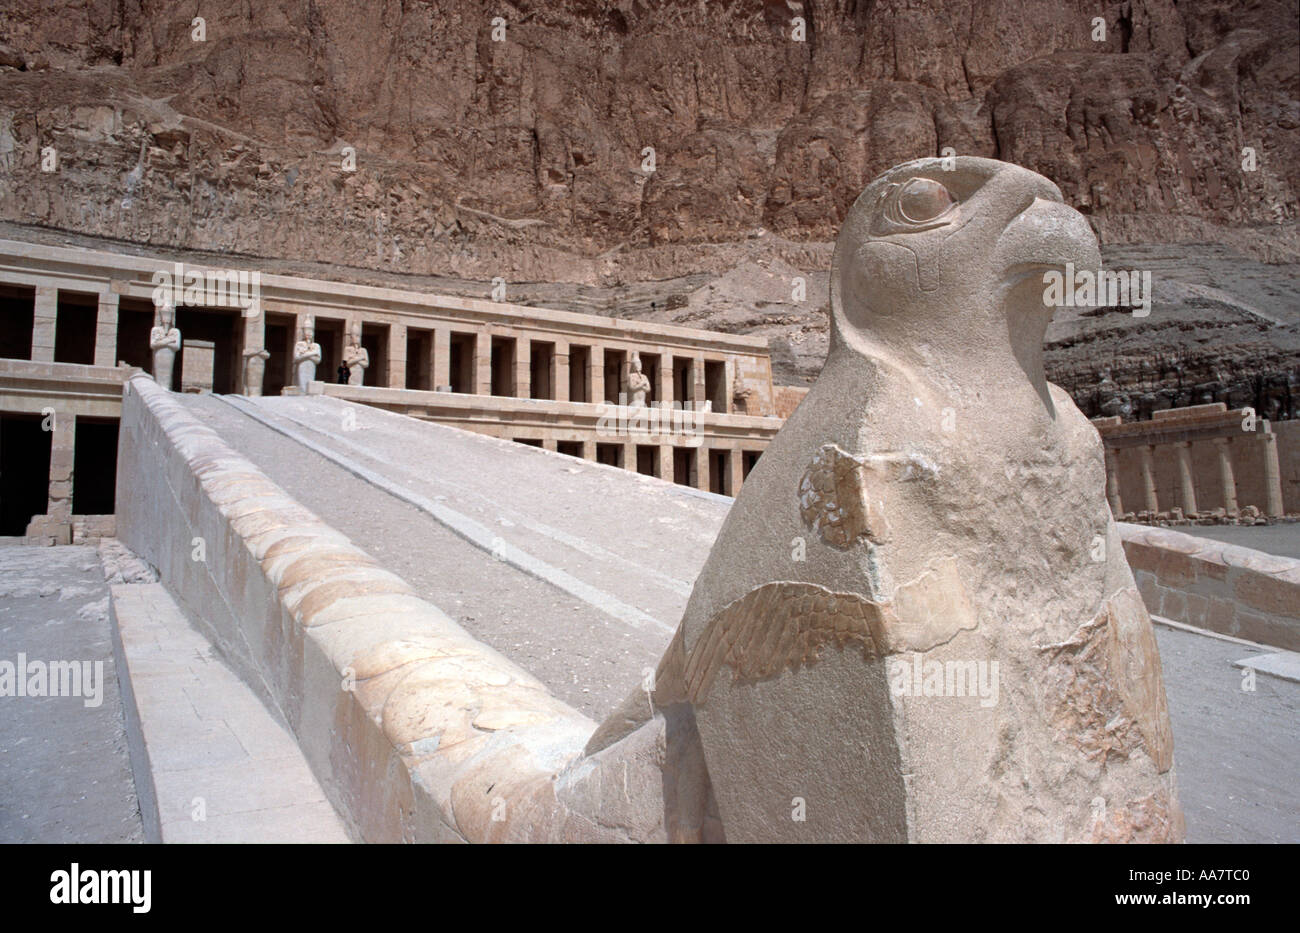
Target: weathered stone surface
[[1002, 582], [522, 158]]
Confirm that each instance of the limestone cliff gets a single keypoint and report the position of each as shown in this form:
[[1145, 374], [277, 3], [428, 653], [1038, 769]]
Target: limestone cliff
[[526, 158]]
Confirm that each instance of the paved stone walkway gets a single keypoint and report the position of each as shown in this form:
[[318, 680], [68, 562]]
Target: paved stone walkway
[[65, 775], [222, 768], [1237, 751]]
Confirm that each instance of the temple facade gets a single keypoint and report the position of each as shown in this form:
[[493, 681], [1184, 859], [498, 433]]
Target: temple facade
[[75, 323]]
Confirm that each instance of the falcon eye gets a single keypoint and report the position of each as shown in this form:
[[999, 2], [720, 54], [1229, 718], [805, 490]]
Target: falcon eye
[[923, 199]]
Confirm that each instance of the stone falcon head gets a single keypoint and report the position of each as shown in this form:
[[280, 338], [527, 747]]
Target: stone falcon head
[[942, 251]]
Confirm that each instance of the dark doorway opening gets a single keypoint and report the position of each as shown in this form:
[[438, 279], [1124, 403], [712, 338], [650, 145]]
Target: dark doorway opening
[[374, 338], [684, 466], [329, 334], [720, 472], [503, 365], [17, 317], [541, 369], [529, 441], [569, 448], [579, 373], [134, 321], [683, 380], [610, 454], [650, 366], [647, 459], [715, 385], [749, 460], [94, 466], [463, 361], [280, 339], [24, 471], [419, 359], [74, 328], [614, 363], [221, 327]]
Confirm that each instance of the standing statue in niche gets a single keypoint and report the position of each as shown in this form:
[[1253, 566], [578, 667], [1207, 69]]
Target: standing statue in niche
[[165, 343], [356, 357], [638, 383], [306, 356], [917, 622]]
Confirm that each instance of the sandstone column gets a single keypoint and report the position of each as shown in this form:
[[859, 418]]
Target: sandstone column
[[664, 390], [106, 330], [737, 461], [629, 455], [1112, 483], [1226, 477], [397, 351], [560, 371], [1149, 479], [1272, 476], [483, 362], [666, 461], [702, 467], [45, 316], [523, 367], [1183, 450], [588, 450], [441, 375], [58, 513], [597, 366], [697, 387]]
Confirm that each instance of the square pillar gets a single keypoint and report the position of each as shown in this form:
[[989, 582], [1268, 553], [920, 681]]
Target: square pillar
[[1152, 504], [523, 367], [441, 375], [58, 511], [702, 466], [396, 357], [1227, 479], [737, 463], [588, 450], [666, 462], [560, 371], [483, 362], [697, 387], [664, 390], [1187, 488], [106, 330], [597, 366], [45, 315], [1272, 476]]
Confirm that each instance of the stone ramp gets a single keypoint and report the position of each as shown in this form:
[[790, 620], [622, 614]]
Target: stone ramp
[[212, 763], [1211, 714], [495, 523]]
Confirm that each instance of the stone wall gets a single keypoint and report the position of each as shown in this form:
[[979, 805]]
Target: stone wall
[[1227, 589], [404, 718]]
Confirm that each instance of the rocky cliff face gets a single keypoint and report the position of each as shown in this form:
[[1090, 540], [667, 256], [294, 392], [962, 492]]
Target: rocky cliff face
[[527, 158]]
